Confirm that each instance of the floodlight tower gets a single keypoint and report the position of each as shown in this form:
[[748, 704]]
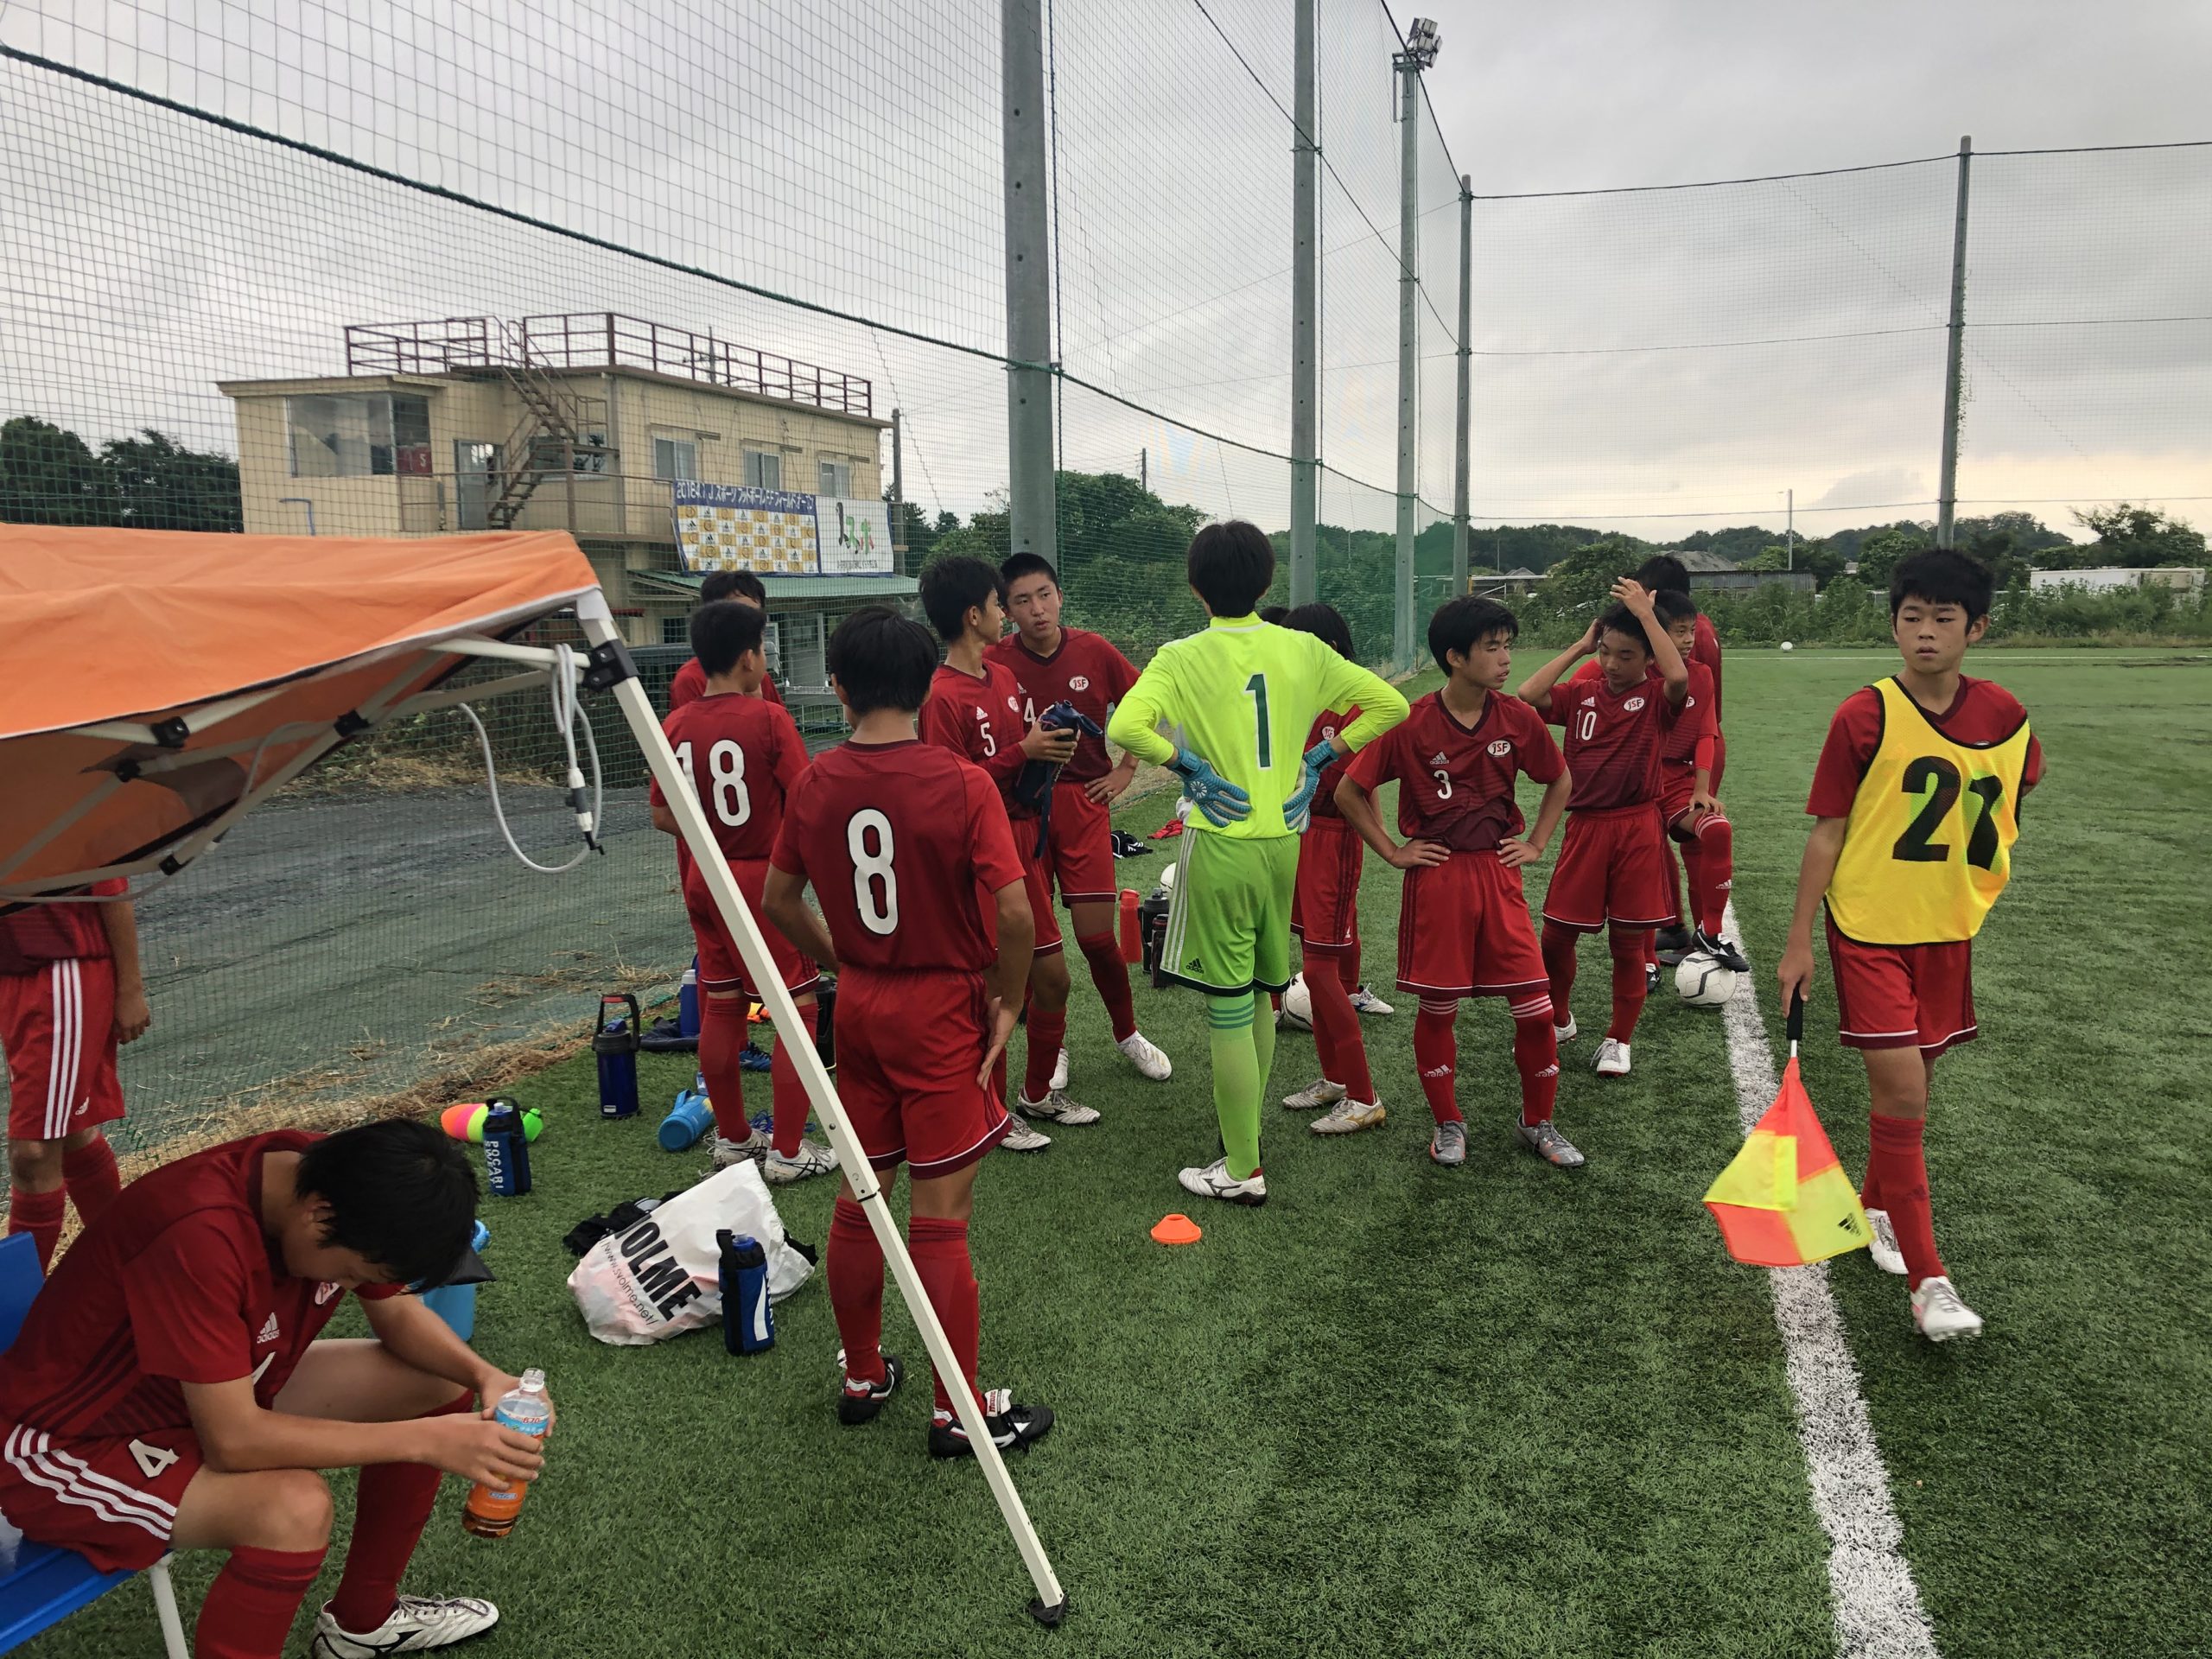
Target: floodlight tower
[[1421, 44]]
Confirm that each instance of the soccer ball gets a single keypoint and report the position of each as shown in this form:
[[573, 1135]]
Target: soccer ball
[[1786, 646], [1167, 878], [1298, 1006], [1702, 982]]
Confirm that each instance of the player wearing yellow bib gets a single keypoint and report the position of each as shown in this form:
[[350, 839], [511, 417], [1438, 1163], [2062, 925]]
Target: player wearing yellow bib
[[1244, 694], [1917, 798]]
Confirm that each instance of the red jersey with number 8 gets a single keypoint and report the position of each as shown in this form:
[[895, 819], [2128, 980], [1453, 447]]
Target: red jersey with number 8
[[743, 755]]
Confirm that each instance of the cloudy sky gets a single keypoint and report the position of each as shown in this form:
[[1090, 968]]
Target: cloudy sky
[[1653, 359]]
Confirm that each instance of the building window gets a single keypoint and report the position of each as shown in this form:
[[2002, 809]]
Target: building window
[[837, 478], [676, 630], [358, 434], [676, 458], [764, 469]]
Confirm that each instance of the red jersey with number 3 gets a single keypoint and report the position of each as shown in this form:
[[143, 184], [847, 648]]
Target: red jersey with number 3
[[1086, 670], [900, 841], [1455, 781], [1614, 741], [978, 717], [743, 755]]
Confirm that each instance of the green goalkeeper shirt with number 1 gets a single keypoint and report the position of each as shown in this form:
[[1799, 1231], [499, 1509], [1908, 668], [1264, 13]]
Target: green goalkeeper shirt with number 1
[[1246, 694]]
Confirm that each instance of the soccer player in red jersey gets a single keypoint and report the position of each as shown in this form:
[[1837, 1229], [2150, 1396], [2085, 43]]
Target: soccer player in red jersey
[[1663, 573], [741, 754], [1463, 918], [1611, 871], [167, 1391], [1053, 664], [906, 843], [975, 710], [71, 990], [719, 586], [1917, 798]]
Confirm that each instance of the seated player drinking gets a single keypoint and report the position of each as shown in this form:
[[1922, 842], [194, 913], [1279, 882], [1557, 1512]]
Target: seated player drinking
[[1611, 868], [1463, 918], [741, 754], [900, 840], [1245, 694], [1916, 799], [169, 1392]]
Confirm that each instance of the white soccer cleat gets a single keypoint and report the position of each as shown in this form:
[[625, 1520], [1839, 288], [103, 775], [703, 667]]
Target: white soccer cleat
[[1348, 1117], [417, 1624], [1214, 1181], [1567, 1032], [812, 1158], [1881, 1243], [1611, 1060], [1365, 1001], [728, 1151], [1940, 1314], [1056, 1108], [1023, 1137], [1315, 1096], [1144, 1055], [1059, 1071]]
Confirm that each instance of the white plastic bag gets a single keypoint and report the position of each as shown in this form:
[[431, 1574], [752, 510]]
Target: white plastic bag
[[662, 1277]]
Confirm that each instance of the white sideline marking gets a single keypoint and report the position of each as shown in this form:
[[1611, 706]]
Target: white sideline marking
[[1877, 1605]]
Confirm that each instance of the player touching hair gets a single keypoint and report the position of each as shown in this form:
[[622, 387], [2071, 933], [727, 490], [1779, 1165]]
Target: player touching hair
[[743, 587]]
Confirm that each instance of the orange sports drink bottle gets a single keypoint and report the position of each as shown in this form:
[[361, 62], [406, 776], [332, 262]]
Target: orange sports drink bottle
[[1132, 940], [491, 1510]]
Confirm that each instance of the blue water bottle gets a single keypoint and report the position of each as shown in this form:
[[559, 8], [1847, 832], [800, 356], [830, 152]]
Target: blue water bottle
[[615, 1044], [691, 1117], [507, 1149], [748, 1322], [687, 1002]]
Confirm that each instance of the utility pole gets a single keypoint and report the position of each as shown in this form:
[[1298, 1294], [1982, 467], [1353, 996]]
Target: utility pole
[[1789, 536], [898, 490], [1031, 508], [1305, 292], [1144, 469], [1467, 414], [1946, 488], [1416, 54]]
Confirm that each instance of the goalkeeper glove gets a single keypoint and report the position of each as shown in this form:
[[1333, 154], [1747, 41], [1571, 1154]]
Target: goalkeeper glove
[[1297, 810], [1221, 802]]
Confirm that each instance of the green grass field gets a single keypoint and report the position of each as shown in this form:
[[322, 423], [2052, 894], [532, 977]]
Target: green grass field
[[1505, 1411]]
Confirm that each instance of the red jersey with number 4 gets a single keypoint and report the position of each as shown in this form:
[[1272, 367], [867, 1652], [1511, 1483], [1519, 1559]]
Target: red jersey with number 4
[[1614, 740], [1455, 781], [900, 841], [690, 684], [978, 717], [1984, 712], [1086, 670], [743, 755], [176, 1283], [1326, 725], [37, 934]]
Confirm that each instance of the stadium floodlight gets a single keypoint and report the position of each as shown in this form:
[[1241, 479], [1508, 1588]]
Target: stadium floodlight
[[1423, 42]]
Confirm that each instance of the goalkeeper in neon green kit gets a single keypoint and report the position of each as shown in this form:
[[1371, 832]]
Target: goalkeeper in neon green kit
[[1245, 694]]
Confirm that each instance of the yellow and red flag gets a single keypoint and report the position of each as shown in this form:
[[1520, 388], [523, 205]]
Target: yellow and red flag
[[1785, 1200]]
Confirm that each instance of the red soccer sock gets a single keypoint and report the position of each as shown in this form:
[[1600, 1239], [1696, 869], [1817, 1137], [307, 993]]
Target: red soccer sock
[[93, 1181], [854, 1265], [1675, 874], [1714, 871], [1336, 1038], [1535, 1056], [1558, 945], [1436, 1054], [722, 1037], [1631, 948], [1897, 1167], [250, 1606], [389, 1515], [40, 1215], [1048, 1032], [1111, 976], [940, 1251], [791, 1104]]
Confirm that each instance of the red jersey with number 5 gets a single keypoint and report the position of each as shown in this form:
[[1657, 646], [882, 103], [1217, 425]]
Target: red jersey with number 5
[[743, 755], [901, 842], [978, 717], [1086, 670], [1614, 741], [1455, 781]]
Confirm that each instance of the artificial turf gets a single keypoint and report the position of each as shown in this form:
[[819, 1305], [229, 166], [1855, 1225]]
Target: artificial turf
[[1506, 1410]]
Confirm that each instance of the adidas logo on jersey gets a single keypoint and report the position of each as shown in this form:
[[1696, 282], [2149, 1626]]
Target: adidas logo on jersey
[[1589, 702], [1439, 759], [268, 1329]]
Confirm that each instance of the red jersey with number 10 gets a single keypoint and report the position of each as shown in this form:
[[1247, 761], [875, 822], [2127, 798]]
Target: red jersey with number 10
[[743, 755], [1455, 782], [1086, 670], [1614, 741]]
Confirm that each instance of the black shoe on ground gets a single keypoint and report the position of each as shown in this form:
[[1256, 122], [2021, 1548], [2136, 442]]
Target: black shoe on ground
[[1674, 943], [854, 1409], [1726, 952], [1014, 1427]]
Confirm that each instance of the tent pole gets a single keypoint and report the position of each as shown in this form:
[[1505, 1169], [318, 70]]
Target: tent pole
[[597, 623]]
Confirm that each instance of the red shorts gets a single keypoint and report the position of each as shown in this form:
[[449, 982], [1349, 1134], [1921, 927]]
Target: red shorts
[[1037, 881], [1463, 930], [1678, 784], [95, 1496], [1079, 856], [1612, 867], [1325, 906], [721, 968], [57, 1024], [909, 1046], [1904, 995]]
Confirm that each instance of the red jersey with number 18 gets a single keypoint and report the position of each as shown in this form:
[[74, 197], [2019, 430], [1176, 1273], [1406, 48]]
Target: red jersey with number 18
[[743, 755], [901, 842]]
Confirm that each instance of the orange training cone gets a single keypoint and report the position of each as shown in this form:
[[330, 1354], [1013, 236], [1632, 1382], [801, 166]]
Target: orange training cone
[[1176, 1228]]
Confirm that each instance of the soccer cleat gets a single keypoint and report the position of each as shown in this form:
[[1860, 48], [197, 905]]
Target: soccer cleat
[[728, 1151], [812, 1158], [858, 1402], [1550, 1145], [1612, 1060], [1565, 1033], [755, 1058], [1315, 1096], [1014, 1427], [1214, 1181], [1726, 952], [1055, 1108], [1020, 1137], [1881, 1243], [1365, 1001], [1059, 1071], [1672, 945], [1940, 1313], [1350, 1116], [1144, 1055], [417, 1624], [1448, 1145]]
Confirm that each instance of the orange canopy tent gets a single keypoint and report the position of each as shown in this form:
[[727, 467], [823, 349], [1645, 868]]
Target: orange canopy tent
[[157, 683]]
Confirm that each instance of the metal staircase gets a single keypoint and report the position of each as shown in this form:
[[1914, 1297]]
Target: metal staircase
[[555, 435]]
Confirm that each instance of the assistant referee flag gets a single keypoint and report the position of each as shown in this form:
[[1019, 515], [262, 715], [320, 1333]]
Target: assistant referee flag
[[1785, 1200]]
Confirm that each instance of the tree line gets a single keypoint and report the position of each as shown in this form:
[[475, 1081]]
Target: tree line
[[48, 475]]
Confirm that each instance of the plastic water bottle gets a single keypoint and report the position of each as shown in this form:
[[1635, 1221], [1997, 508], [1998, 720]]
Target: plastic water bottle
[[687, 1002], [1132, 936], [748, 1322], [491, 1510], [691, 1117], [615, 1044], [507, 1149]]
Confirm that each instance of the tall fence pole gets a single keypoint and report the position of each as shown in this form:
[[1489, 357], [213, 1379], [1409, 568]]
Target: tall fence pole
[[1947, 492], [1402, 631], [1031, 509], [1305, 295], [1466, 406]]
